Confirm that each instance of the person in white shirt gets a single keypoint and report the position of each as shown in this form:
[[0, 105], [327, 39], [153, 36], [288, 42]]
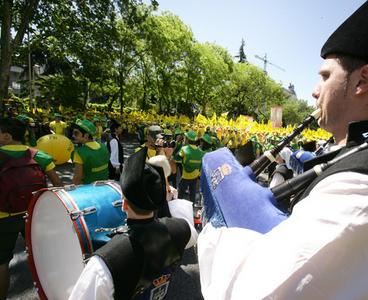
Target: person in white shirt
[[116, 151], [320, 251]]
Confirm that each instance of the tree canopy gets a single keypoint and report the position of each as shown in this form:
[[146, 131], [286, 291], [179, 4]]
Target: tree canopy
[[124, 53]]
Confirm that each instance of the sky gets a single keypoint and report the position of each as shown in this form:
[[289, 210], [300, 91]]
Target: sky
[[290, 32]]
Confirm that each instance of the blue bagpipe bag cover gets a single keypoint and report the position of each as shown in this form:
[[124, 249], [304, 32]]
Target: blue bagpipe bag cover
[[232, 198]]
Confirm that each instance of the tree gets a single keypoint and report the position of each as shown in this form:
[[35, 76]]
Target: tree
[[85, 42], [250, 91], [242, 57], [15, 18], [168, 42], [295, 111], [208, 66]]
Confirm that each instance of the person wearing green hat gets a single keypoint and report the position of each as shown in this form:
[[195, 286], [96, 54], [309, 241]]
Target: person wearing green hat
[[29, 138], [58, 126], [206, 143], [192, 162], [90, 158]]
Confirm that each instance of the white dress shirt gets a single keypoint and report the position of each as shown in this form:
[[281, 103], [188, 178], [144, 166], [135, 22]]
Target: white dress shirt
[[319, 252], [114, 155]]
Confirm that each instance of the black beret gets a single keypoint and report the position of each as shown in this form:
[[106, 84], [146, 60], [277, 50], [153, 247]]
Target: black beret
[[143, 184], [351, 38], [114, 125]]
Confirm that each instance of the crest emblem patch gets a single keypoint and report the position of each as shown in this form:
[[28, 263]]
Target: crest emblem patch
[[219, 174]]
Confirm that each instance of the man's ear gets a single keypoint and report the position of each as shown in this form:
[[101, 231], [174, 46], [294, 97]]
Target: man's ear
[[362, 86], [8, 137], [125, 205]]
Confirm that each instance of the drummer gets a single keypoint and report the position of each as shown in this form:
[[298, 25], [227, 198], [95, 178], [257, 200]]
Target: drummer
[[139, 261]]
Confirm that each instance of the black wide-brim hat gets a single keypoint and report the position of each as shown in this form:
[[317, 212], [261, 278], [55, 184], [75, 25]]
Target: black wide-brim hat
[[351, 37], [142, 184]]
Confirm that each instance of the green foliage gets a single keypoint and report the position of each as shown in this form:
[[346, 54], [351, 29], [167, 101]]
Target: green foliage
[[249, 91], [242, 57], [103, 54], [59, 89], [295, 111], [168, 41], [207, 72]]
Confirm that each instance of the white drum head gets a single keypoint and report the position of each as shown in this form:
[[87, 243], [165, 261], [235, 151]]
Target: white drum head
[[56, 250]]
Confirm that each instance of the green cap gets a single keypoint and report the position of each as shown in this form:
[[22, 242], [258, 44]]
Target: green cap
[[88, 126], [253, 138], [207, 138], [23, 118], [178, 131], [191, 135]]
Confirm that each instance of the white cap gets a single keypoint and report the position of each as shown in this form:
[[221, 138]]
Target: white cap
[[285, 154], [161, 161]]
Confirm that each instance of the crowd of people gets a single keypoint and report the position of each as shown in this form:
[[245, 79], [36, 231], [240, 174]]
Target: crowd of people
[[310, 246]]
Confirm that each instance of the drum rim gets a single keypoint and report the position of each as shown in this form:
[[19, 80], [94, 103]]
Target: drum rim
[[79, 223], [29, 248], [28, 229]]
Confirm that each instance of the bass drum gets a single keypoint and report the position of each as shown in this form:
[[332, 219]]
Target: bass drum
[[64, 227]]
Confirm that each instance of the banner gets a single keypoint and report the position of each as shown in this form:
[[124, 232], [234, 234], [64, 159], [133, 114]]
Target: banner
[[276, 116]]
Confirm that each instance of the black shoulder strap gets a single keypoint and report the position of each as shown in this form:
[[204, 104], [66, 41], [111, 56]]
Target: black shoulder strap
[[132, 260], [179, 231], [357, 162], [284, 171], [3, 158], [31, 152], [108, 145]]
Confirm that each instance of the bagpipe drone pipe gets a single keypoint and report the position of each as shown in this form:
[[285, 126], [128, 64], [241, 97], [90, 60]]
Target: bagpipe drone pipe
[[270, 156], [231, 196]]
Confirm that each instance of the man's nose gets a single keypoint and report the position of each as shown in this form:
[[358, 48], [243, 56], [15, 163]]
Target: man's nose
[[316, 92]]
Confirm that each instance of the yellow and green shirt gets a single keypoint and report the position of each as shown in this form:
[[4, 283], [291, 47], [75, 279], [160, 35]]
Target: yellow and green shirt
[[192, 161], [95, 158]]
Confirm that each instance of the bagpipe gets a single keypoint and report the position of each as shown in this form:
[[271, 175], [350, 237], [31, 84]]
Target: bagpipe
[[233, 198]]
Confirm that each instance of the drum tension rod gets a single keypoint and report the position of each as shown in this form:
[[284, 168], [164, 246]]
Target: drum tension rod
[[117, 203], [75, 214]]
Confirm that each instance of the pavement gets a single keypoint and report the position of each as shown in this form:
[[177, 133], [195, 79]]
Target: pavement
[[185, 283]]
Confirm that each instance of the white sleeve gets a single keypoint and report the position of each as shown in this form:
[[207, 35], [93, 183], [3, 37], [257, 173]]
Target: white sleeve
[[277, 178], [95, 282], [114, 156], [319, 252], [180, 208]]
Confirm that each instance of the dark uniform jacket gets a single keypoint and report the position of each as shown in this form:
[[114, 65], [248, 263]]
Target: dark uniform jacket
[[357, 162], [142, 258]]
